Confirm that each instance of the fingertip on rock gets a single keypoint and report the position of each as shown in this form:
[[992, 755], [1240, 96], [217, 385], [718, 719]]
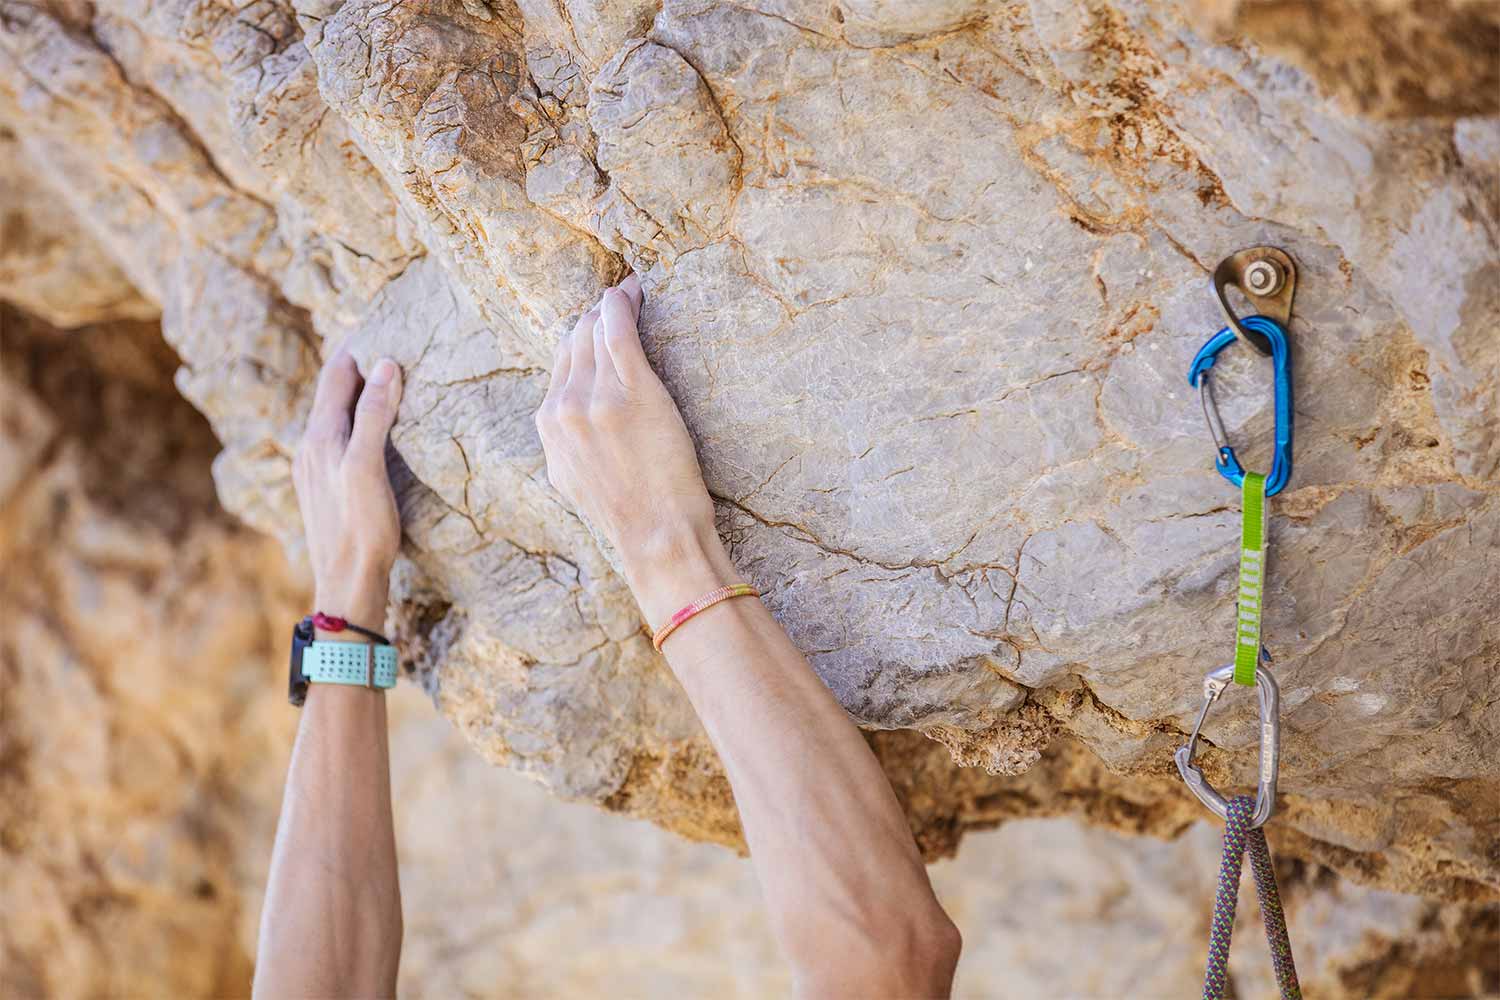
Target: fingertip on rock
[[384, 372]]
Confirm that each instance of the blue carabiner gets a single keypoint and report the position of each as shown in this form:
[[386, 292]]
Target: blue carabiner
[[1229, 467]]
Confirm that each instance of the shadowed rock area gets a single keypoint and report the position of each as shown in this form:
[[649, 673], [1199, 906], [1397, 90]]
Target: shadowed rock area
[[139, 756], [1387, 58], [925, 279]]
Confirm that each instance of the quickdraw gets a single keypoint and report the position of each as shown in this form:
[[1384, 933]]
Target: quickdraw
[[1267, 276]]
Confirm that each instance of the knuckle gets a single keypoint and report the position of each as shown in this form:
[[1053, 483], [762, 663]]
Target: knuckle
[[547, 424], [572, 413], [608, 411], [311, 456]]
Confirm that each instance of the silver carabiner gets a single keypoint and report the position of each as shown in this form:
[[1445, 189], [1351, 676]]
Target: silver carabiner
[[1269, 696]]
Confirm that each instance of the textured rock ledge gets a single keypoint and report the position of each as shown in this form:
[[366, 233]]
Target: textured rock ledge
[[925, 281]]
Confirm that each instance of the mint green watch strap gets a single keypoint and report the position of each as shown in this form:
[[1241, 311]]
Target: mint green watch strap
[[361, 663]]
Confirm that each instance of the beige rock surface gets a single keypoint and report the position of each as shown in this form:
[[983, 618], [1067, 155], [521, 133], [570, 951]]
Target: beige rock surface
[[925, 278], [49, 265], [143, 741]]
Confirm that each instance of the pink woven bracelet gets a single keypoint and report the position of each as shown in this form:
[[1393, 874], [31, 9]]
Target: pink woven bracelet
[[708, 600]]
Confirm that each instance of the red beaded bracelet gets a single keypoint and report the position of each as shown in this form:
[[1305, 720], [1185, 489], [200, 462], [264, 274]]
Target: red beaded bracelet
[[708, 600]]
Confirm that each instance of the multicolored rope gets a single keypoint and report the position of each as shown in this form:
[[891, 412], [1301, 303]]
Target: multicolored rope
[[1238, 837], [708, 600]]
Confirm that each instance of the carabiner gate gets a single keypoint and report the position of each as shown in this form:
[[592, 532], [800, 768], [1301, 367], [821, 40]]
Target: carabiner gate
[[1269, 696], [1198, 376]]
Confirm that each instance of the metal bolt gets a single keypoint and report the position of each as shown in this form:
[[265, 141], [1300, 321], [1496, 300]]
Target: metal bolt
[[1263, 278]]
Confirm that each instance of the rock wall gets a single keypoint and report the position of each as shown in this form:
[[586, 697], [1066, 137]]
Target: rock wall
[[925, 279], [143, 741]]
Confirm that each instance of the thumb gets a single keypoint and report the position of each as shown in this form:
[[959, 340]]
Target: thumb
[[374, 414]]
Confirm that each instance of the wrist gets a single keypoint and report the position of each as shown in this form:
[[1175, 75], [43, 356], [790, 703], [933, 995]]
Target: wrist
[[674, 567], [361, 604]]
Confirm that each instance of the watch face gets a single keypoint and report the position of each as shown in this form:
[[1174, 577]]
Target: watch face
[[296, 688]]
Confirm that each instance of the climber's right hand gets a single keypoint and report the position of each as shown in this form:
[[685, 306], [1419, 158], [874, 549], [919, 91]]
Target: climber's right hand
[[618, 451], [344, 491]]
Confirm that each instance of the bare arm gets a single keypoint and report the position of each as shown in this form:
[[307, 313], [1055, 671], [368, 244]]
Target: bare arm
[[849, 897], [331, 923]]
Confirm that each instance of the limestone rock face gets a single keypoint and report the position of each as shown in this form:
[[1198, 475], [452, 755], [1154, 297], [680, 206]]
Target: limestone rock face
[[145, 740], [925, 278], [48, 266]]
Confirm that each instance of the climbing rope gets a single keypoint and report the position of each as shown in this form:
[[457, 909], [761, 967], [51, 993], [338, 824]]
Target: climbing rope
[[1240, 835]]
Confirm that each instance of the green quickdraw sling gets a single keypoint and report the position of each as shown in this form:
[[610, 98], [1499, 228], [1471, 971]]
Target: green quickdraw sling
[[1267, 277]]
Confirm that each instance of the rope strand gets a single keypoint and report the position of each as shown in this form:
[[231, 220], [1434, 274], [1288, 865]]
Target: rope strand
[[1238, 837]]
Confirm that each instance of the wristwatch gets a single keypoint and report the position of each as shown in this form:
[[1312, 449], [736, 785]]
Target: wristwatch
[[363, 664]]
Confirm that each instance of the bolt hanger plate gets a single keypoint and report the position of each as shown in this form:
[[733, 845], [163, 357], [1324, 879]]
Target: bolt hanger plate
[[1268, 278]]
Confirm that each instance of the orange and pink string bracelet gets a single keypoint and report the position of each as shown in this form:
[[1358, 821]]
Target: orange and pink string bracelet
[[708, 600]]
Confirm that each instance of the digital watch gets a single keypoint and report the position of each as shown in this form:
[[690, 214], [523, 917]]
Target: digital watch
[[362, 664]]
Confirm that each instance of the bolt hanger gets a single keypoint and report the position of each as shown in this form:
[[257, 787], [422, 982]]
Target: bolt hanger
[[1268, 278]]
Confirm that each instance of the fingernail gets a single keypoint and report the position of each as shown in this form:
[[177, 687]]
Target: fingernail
[[385, 370]]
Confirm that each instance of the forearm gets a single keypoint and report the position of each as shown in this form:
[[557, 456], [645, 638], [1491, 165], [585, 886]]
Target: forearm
[[847, 893], [331, 919], [331, 922], [847, 890]]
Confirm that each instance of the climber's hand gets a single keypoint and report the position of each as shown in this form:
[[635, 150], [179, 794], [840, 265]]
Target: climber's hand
[[616, 446], [348, 508]]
